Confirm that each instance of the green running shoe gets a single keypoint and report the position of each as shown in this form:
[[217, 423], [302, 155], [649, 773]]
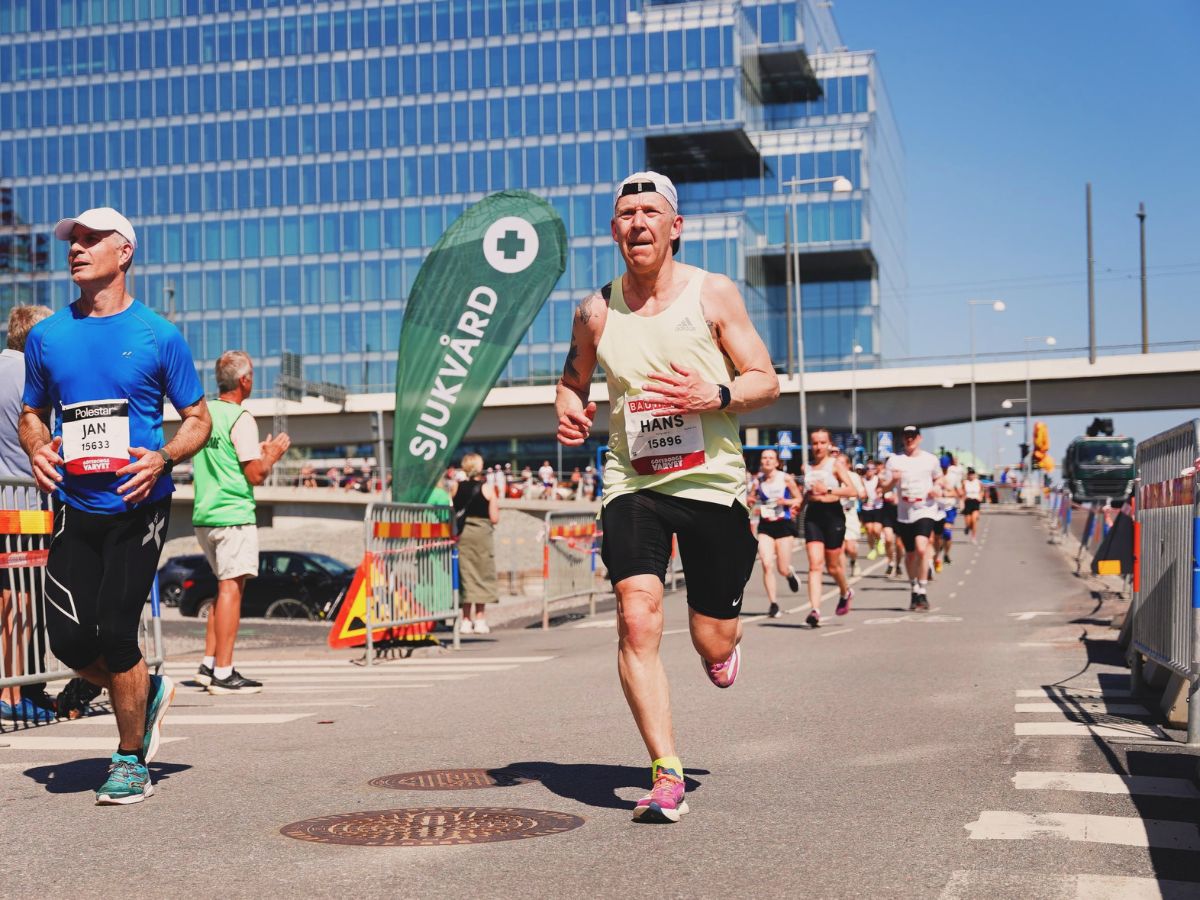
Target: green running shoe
[[162, 692], [128, 782]]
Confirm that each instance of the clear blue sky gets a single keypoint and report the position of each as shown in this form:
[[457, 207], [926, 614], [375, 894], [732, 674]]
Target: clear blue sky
[[1005, 111]]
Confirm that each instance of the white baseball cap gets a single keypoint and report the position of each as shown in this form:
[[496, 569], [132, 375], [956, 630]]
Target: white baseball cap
[[103, 218], [648, 183]]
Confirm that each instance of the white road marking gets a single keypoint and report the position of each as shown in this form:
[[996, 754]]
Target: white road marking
[[1095, 693], [1127, 831], [1112, 709], [350, 688], [174, 719], [836, 633], [968, 572], [970, 884], [403, 669], [360, 679], [1060, 643], [960, 584], [63, 742], [1106, 783], [453, 659], [1081, 729], [597, 623], [1026, 616], [834, 592], [229, 702], [953, 594]]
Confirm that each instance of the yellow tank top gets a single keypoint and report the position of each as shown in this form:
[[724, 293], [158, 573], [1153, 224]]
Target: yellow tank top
[[697, 456]]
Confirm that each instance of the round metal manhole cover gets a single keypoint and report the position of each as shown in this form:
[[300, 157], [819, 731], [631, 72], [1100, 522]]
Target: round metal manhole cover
[[432, 827], [452, 780]]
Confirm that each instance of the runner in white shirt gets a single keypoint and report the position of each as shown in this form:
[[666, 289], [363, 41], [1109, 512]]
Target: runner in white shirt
[[853, 525], [872, 511], [917, 477], [952, 478], [776, 497], [972, 491]]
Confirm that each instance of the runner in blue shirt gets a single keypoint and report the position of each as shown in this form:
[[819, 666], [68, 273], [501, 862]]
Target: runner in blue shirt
[[103, 366]]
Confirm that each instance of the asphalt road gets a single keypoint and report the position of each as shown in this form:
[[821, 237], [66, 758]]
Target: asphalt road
[[886, 754]]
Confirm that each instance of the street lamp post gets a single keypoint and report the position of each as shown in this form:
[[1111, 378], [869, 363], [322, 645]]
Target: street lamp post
[[1029, 342], [854, 351], [998, 306], [841, 185]]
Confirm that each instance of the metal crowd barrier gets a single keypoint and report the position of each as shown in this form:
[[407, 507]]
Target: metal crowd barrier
[[1166, 601], [26, 525], [413, 571], [569, 554]]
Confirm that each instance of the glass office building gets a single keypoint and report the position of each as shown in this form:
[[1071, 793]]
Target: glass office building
[[288, 165]]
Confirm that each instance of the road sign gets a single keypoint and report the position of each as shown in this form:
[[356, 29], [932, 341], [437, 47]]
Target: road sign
[[785, 453], [884, 444], [785, 439]]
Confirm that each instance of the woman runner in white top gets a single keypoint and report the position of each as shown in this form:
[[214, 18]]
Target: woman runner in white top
[[776, 497], [872, 511], [826, 482], [972, 489]]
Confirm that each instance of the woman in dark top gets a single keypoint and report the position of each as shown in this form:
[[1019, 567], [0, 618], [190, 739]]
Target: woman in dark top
[[476, 512]]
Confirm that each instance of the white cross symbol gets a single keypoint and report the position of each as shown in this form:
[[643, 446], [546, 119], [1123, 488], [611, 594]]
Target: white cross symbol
[[155, 532]]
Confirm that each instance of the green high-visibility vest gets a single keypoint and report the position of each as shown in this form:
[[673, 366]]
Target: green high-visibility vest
[[223, 495]]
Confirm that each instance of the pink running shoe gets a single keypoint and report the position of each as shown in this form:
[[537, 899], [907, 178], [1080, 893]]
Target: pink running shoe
[[665, 801], [724, 674], [843, 606]]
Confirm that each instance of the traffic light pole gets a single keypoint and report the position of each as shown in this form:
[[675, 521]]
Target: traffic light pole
[[381, 451]]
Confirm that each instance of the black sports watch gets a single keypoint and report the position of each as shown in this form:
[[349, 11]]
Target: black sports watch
[[168, 462], [726, 396]]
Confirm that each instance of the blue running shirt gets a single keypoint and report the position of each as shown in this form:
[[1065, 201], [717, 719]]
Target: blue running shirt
[[129, 361]]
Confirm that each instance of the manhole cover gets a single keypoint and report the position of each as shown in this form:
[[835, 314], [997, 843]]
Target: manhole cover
[[451, 780], [434, 827]]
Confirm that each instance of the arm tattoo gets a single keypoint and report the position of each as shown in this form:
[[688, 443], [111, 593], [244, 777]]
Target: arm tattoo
[[569, 373], [587, 309]]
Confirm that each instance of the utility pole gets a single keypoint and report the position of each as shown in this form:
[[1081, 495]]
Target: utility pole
[[1091, 272], [1141, 214]]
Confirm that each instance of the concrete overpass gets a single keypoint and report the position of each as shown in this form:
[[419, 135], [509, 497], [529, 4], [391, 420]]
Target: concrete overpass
[[887, 397]]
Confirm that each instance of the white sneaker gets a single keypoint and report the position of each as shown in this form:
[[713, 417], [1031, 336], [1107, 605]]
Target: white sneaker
[[466, 626], [481, 627]]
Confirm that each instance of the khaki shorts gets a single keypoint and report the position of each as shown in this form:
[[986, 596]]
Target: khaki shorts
[[232, 550]]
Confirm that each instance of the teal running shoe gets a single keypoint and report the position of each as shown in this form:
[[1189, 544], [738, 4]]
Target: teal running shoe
[[162, 692], [128, 782]]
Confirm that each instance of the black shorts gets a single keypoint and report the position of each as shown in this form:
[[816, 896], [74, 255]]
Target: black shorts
[[825, 522], [970, 506], [716, 546], [868, 516], [779, 528], [98, 576], [908, 532], [888, 516]]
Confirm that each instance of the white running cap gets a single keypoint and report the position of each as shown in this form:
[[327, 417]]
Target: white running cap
[[648, 183], [103, 218]]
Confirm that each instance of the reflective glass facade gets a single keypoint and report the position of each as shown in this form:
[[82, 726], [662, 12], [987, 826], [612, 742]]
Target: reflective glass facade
[[288, 166]]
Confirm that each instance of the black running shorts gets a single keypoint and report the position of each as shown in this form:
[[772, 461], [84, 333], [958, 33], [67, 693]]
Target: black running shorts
[[716, 546], [825, 522], [970, 506], [867, 516], [908, 532], [98, 577], [888, 515], [779, 528]]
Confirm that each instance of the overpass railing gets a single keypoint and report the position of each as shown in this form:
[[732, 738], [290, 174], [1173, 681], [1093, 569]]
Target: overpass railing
[[1166, 602]]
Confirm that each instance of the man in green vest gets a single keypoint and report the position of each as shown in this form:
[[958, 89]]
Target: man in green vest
[[226, 470]]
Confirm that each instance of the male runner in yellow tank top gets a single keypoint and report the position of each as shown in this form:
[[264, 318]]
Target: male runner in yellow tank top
[[682, 359]]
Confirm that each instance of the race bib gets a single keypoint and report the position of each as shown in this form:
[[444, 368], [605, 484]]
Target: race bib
[[660, 444], [95, 436], [770, 511]]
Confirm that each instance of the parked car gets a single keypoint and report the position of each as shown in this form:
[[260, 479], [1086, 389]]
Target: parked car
[[175, 573], [290, 585]]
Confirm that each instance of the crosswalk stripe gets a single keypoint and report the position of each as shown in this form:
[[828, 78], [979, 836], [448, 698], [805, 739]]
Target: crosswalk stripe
[[1094, 693], [64, 742], [398, 669], [1106, 783], [1127, 831], [1080, 705], [1081, 729], [455, 659], [968, 885], [174, 719]]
